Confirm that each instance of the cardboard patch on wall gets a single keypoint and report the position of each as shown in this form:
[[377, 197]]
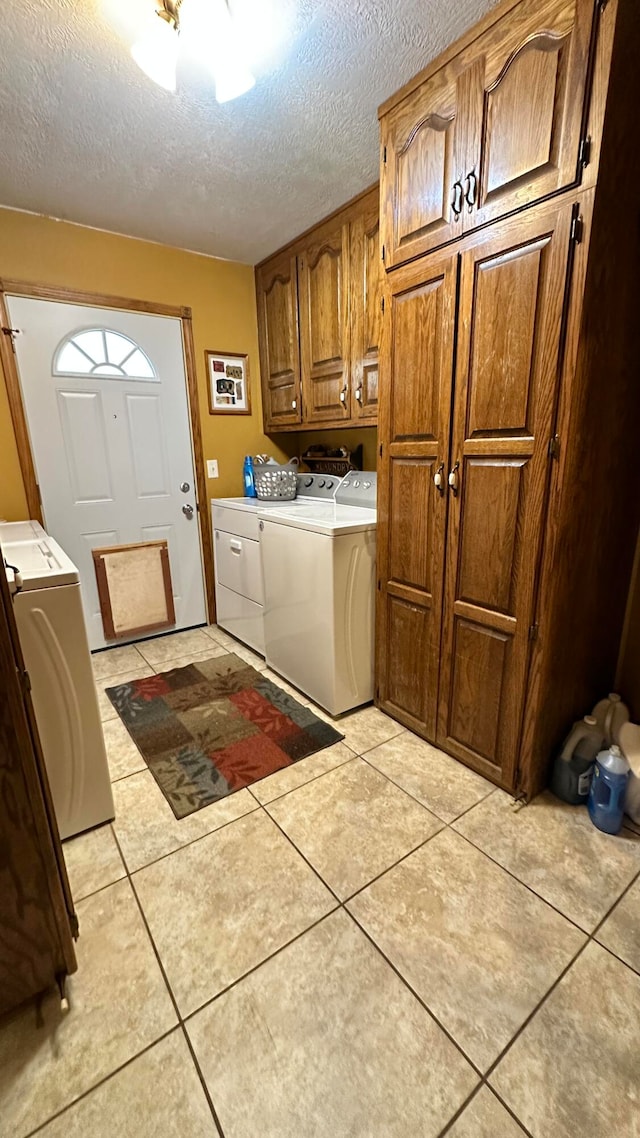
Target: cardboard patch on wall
[[134, 587]]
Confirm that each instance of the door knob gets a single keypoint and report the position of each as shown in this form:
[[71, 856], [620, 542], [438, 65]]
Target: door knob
[[453, 479], [185, 487], [187, 510]]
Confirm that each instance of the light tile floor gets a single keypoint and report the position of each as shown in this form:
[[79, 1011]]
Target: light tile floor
[[371, 943]]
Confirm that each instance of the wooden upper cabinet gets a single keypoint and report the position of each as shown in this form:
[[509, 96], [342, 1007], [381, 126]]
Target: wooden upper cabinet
[[497, 128], [319, 323], [323, 281], [423, 163], [366, 311], [277, 299], [525, 96], [510, 323]]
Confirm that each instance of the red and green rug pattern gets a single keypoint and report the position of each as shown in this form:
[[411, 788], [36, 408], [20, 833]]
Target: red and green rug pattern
[[208, 729]]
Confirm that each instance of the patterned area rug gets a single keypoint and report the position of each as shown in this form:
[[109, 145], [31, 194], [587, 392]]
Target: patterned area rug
[[213, 727]]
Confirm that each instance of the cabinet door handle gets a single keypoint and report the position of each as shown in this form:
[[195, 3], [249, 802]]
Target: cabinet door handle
[[471, 190], [456, 201], [453, 480], [294, 403], [359, 394], [343, 395], [438, 480]]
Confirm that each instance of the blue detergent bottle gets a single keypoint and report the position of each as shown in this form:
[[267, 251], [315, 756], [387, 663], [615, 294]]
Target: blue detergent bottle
[[248, 478], [608, 790]]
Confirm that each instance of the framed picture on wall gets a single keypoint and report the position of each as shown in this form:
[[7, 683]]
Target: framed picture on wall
[[229, 391]]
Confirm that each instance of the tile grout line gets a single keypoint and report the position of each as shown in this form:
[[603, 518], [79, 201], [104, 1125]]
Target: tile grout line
[[590, 936], [172, 997], [474, 1094], [279, 797], [431, 809], [403, 980], [255, 967], [105, 1079], [590, 939], [518, 880]]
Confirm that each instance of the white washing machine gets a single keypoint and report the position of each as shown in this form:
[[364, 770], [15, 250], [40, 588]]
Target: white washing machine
[[45, 586], [319, 569]]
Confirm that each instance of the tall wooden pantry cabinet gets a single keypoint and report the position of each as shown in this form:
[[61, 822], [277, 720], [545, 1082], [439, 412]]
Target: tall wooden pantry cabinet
[[510, 382]]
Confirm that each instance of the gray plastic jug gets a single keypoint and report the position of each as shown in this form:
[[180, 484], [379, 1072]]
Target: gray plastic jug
[[573, 768]]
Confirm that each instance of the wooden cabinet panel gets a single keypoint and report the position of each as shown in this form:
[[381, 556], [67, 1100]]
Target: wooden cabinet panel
[[493, 490], [529, 79], [418, 346], [366, 311], [416, 330], [507, 373], [423, 157], [496, 128], [479, 664], [323, 274], [277, 299], [411, 534], [407, 693]]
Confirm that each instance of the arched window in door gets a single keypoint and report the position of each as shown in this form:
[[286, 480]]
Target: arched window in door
[[101, 351]]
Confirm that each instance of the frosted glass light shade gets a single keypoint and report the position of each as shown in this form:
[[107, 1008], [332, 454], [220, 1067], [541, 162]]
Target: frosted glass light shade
[[156, 53], [232, 80]]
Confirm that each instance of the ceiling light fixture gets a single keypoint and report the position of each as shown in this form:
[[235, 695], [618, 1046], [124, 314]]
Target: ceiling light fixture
[[211, 23], [156, 53]]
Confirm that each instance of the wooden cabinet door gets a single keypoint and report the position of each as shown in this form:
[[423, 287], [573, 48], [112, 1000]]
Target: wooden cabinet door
[[512, 296], [526, 93], [366, 311], [417, 368], [424, 158], [323, 274], [277, 298]]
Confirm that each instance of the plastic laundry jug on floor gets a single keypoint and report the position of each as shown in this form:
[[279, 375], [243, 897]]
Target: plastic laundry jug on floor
[[610, 714], [573, 768], [608, 789]]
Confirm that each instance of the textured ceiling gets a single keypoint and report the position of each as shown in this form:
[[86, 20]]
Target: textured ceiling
[[85, 136]]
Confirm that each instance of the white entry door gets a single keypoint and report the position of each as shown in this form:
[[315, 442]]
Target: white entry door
[[106, 403]]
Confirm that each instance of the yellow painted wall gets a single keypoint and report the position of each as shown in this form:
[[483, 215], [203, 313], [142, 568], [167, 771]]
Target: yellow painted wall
[[220, 293]]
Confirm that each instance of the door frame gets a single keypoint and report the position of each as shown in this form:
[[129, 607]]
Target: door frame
[[19, 419]]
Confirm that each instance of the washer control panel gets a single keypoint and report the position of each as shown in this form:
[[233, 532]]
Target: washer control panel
[[358, 488]]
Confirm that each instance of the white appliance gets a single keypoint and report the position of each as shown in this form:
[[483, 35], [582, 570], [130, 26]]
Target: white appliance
[[318, 559], [45, 586], [238, 563], [238, 569]]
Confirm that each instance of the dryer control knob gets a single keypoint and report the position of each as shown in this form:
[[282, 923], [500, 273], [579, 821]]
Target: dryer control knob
[[366, 485], [329, 485], [357, 482], [309, 482], [321, 483]]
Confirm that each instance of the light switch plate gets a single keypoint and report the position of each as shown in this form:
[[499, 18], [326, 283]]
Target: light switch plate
[[212, 468]]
